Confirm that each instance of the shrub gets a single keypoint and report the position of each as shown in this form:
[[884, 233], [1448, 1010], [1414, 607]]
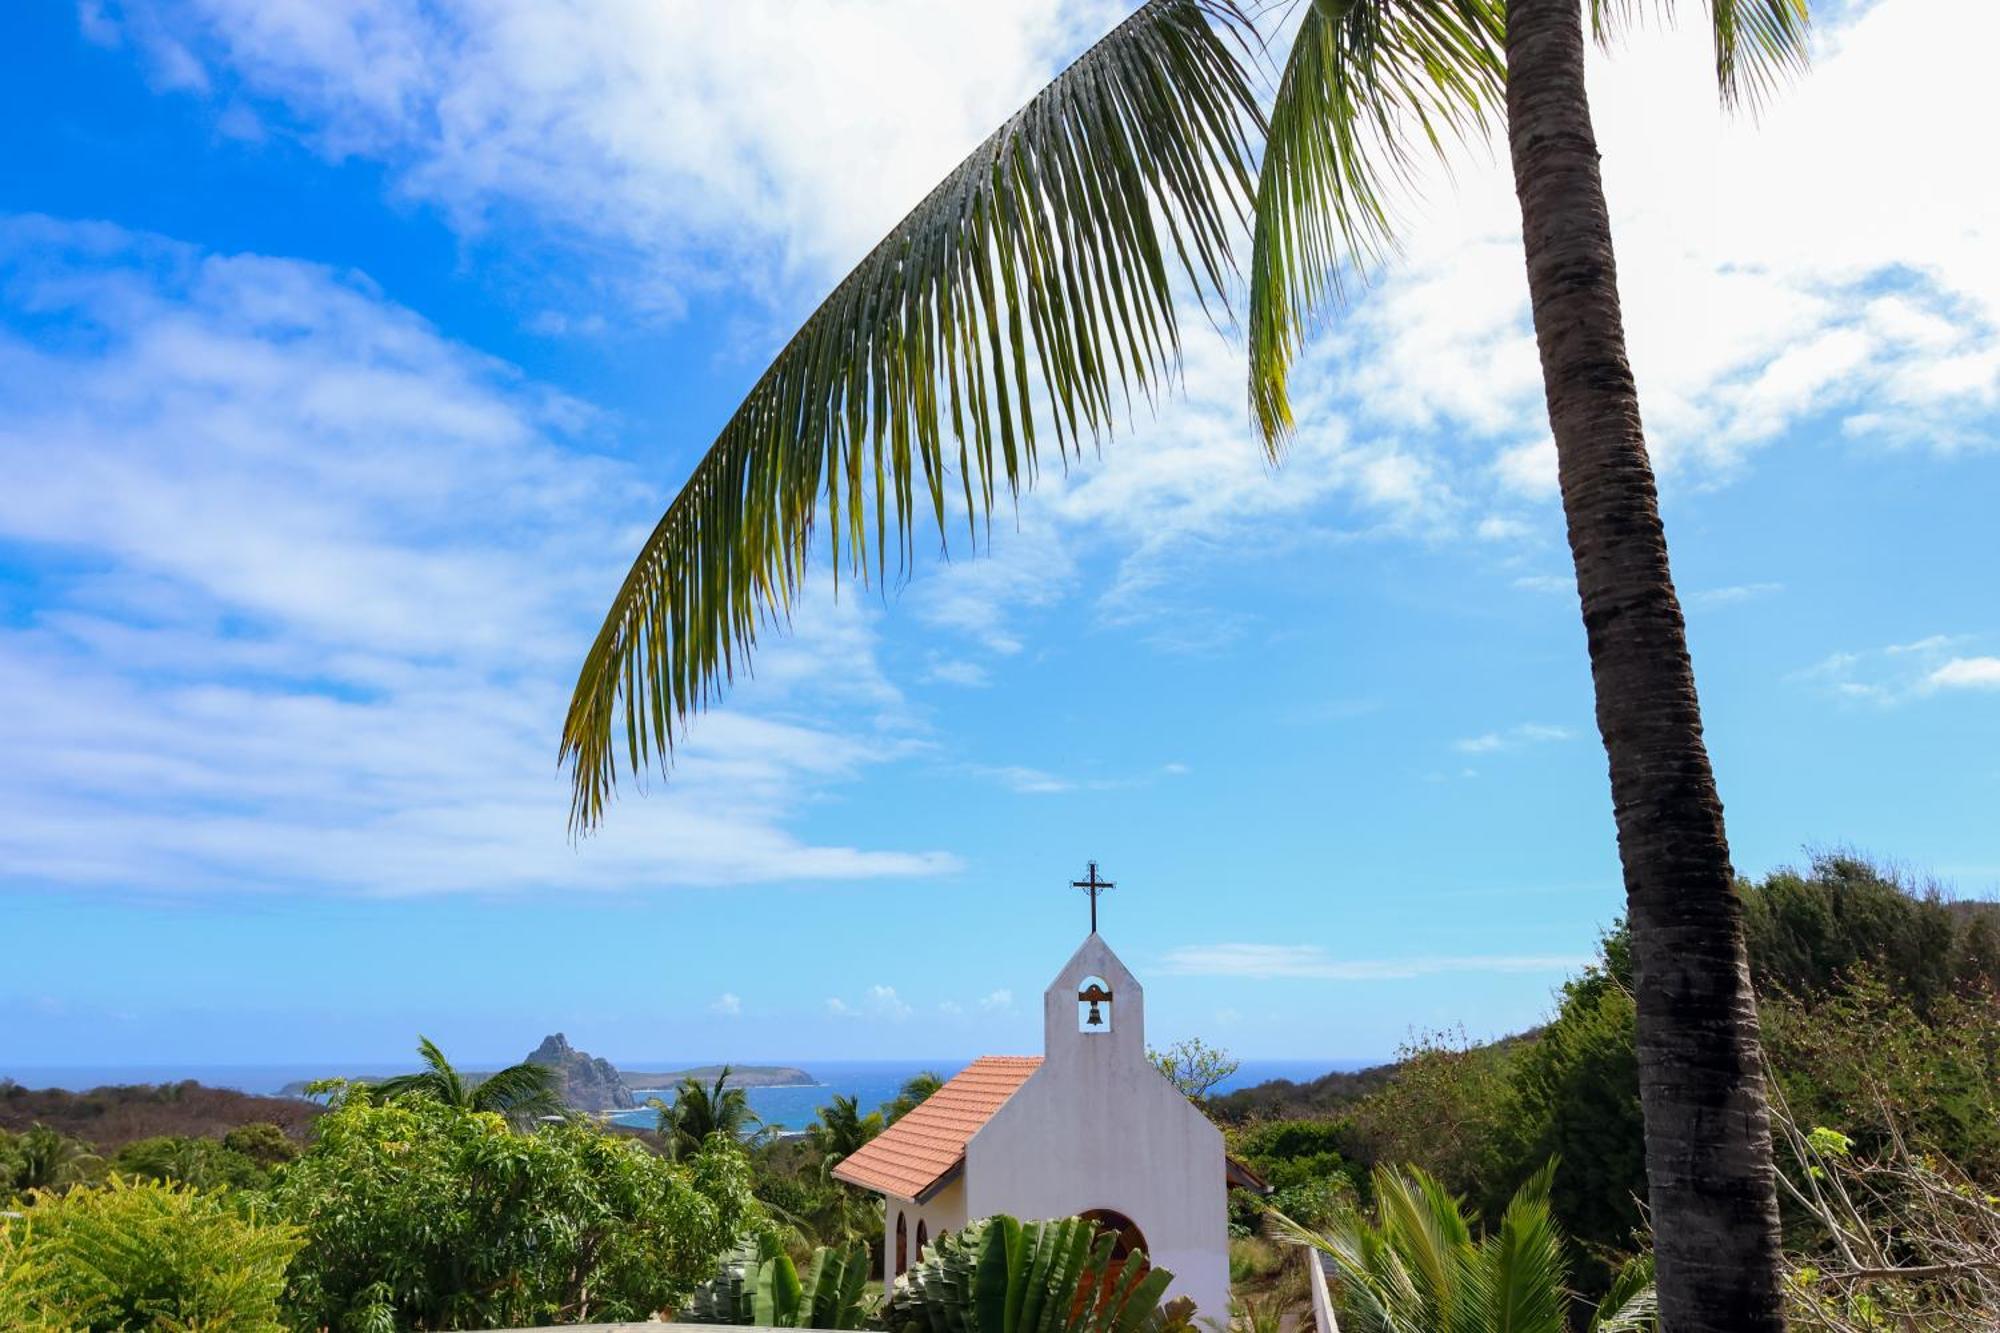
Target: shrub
[[203, 1163], [422, 1214], [144, 1255]]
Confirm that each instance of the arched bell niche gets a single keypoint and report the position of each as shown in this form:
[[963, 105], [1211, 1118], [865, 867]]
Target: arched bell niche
[[1093, 1006]]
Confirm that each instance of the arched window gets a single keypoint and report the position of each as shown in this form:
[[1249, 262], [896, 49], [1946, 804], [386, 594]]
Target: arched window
[[1093, 1006], [902, 1245], [923, 1238]]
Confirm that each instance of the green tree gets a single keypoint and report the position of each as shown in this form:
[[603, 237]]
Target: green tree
[[1193, 1066], [1041, 259], [421, 1214], [263, 1143], [1418, 1266], [143, 1255], [39, 1158], [1573, 1094], [519, 1092], [202, 1163], [840, 1131], [698, 1111], [1441, 1111], [916, 1090]]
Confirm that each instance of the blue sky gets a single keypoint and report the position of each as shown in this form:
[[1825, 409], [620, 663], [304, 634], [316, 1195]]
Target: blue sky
[[347, 350]]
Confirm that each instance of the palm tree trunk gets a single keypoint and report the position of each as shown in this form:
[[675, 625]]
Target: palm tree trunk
[[1708, 1135]]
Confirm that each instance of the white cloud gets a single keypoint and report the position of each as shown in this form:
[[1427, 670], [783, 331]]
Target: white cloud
[[1966, 673], [673, 131], [1762, 285], [956, 671], [998, 1002], [880, 1002], [1901, 672], [1267, 962], [316, 581], [728, 1005], [1734, 593], [1527, 733]]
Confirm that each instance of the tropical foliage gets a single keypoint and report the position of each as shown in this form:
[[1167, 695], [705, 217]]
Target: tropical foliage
[[419, 1213], [1000, 1275], [760, 1285], [700, 1110], [1417, 1265], [522, 1092], [841, 1129], [144, 1256], [916, 1090], [1044, 263], [1915, 1063]]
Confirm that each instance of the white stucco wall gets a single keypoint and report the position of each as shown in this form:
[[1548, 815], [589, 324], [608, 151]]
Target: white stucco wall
[[945, 1211], [1098, 1127]]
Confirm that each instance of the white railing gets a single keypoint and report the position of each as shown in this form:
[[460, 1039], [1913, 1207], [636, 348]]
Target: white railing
[[1322, 1301]]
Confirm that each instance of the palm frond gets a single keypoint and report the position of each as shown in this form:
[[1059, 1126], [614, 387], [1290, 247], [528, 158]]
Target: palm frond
[[1758, 43], [522, 1090], [1631, 1305], [1515, 1281], [1041, 264], [1369, 90]]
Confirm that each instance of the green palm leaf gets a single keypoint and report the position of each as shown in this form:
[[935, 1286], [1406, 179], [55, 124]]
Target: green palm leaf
[[1758, 43], [1040, 267], [1368, 88]]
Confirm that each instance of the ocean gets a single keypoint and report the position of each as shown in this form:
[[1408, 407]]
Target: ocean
[[871, 1082]]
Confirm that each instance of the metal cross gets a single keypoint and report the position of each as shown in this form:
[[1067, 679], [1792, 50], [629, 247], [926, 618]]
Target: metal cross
[[1092, 886]]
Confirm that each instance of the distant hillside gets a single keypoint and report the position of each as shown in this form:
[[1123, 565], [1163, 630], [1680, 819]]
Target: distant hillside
[[112, 1117], [1328, 1095]]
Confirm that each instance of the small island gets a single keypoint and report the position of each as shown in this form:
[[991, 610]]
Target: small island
[[741, 1076]]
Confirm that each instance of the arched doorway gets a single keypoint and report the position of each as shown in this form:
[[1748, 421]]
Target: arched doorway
[[1127, 1241], [902, 1245], [923, 1239], [1128, 1236]]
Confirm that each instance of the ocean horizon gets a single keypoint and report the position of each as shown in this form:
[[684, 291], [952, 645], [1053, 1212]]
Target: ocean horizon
[[870, 1082]]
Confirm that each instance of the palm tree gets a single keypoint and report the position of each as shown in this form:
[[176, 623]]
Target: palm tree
[[1324, 205], [916, 1090], [697, 1112], [1044, 260], [520, 1092], [1419, 1267], [841, 1130], [47, 1160]]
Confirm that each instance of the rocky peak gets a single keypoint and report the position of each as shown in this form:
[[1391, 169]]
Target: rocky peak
[[585, 1082]]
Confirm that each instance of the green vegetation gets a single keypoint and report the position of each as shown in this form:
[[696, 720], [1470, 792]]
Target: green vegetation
[[1881, 1017], [760, 1285], [1193, 1066], [144, 1256], [418, 1213], [1418, 1265], [914, 1093], [523, 1092], [1000, 1275], [700, 1111]]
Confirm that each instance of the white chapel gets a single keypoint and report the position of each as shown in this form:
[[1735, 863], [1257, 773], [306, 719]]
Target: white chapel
[[1088, 1128]]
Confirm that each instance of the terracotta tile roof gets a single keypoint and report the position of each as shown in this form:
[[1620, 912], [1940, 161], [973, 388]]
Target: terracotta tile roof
[[924, 1148]]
